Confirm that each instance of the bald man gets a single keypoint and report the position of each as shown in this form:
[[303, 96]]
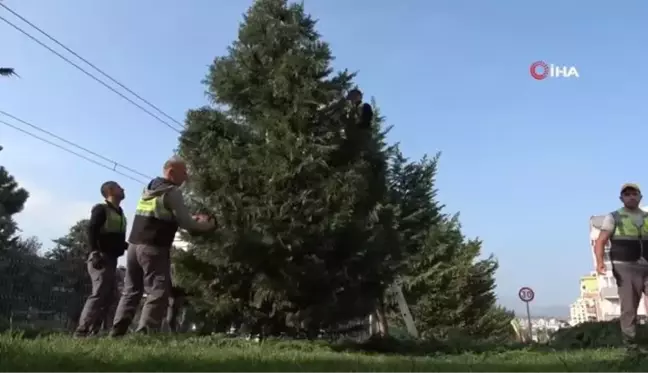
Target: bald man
[[160, 211]]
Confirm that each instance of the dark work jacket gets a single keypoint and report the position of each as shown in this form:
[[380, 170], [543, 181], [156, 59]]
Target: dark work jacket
[[110, 243]]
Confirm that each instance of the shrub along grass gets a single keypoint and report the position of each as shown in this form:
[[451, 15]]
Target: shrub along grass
[[133, 353]]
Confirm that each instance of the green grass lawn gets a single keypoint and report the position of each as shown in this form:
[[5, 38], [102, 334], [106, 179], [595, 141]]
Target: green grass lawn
[[61, 353]]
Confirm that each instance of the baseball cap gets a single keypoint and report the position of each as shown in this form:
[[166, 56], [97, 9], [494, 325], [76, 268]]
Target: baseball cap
[[630, 186]]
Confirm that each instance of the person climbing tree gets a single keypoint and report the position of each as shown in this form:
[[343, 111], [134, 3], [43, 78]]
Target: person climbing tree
[[362, 111]]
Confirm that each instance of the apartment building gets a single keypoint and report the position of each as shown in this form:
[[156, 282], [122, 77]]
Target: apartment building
[[608, 297], [542, 327], [586, 307]]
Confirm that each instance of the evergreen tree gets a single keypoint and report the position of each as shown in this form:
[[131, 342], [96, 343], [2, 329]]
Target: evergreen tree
[[67, 263], [23, 277], [12, 201], [295, 183], [447, 287], [29, 246], [411, 189]]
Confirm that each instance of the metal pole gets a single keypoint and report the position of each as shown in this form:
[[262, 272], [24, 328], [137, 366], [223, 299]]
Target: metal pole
[[529, 320]]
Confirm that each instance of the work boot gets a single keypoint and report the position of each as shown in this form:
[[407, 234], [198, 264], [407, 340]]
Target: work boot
[[117, 333], [637, 349], [634, 349], [119, 329], [143, 331], [80, 334]]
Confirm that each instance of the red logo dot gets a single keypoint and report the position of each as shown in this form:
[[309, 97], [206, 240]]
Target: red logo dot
[[539, 70]]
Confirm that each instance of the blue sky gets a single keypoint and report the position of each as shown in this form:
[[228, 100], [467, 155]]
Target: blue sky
[[525, 162]]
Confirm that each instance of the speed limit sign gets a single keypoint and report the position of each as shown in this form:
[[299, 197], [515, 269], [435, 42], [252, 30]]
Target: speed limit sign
[[526, 294]]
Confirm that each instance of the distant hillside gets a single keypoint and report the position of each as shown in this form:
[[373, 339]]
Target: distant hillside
[[536, 311], [561, 312]]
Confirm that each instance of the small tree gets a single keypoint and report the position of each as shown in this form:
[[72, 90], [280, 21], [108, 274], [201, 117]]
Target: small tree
[[12, 201], [28, 246], [68, 265], [21, 270]]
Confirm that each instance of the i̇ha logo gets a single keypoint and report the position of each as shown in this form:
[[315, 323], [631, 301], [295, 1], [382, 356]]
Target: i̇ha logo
[[541, 70]]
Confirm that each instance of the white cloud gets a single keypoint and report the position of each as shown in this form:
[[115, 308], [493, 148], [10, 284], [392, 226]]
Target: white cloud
[[47, 216]]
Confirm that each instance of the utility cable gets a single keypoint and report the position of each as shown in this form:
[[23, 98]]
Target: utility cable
[[50, 37], [40, 129], [115, 165], [89, 74]]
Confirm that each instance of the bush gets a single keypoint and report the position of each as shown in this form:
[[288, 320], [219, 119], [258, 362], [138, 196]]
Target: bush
[[412, 347], [594, 335]]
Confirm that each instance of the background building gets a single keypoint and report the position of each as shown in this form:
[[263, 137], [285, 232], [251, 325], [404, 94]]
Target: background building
[[543, 327], [608, 299], [586, 307]]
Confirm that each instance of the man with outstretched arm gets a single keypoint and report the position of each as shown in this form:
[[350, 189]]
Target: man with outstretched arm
[[160, 211]]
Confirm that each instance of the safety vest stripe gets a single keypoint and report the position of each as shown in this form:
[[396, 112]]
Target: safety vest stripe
[[154, 208], [626, 238], [144, 213]]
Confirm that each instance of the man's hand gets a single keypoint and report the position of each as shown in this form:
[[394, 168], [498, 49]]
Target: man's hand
[[206, 220], [599, 245], [600, 268], [96, 259]]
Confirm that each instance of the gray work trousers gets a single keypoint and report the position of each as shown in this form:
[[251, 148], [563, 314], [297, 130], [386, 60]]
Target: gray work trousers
[[105, 324], [98, 303], [632, 282], [148, 270]]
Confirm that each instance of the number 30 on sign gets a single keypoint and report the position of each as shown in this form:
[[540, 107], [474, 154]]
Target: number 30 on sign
[[526, 294]]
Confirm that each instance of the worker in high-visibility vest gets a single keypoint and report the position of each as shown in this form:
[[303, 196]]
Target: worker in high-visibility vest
[[627, 231], [107, 241], [160, 211]]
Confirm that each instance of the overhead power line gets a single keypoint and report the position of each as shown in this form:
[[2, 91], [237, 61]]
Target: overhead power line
[[40, 129], [114, 165], [50, 37], [113, 169], [93, 77]]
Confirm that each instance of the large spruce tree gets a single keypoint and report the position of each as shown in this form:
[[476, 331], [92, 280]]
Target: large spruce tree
[[304, 241]]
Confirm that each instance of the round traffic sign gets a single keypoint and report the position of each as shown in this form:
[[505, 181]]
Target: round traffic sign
[[526, 294]]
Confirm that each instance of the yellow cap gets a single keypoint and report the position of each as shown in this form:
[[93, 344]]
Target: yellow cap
[[631, 186]]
